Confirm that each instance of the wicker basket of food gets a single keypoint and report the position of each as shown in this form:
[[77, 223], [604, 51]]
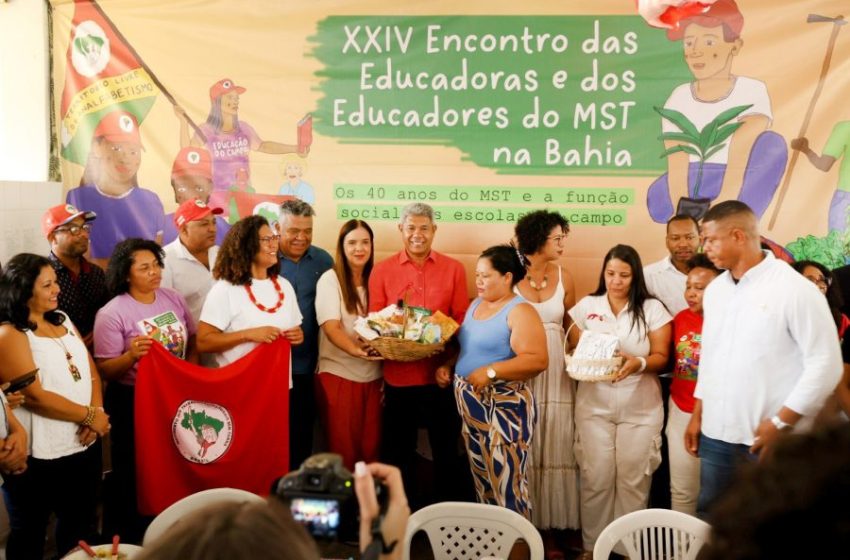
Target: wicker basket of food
[[594, 358], [406, 334]]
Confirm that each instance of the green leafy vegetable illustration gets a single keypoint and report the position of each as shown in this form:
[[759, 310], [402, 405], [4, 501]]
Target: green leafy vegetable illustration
[[700, 143]]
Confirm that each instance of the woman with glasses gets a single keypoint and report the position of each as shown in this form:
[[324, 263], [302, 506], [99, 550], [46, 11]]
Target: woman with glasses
[[821, 276], [251, 303], [549, 288], [140, 314], [110, 187]]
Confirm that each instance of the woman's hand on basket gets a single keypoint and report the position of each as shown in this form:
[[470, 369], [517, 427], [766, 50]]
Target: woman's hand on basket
[[630, 365], [365, 351]]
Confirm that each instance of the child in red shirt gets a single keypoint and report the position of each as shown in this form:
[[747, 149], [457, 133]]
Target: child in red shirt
[[687, 341]]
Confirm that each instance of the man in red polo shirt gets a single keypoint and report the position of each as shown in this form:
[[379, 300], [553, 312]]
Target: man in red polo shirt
[[423, 278]]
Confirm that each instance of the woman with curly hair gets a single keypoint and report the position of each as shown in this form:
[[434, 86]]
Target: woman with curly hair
[[549, 288], [139, 314], [59, 418], [251, 303]]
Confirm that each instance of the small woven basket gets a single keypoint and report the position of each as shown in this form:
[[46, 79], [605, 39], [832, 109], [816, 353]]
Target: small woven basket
[[580, 369], [591, 370], [403, 350]]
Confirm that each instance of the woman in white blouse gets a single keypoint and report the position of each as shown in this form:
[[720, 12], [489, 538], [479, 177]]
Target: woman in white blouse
[[618, 423], [251, 303], [349, 380], [62, 411]]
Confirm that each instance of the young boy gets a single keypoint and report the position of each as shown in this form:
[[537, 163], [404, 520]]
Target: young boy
[[687, 341]]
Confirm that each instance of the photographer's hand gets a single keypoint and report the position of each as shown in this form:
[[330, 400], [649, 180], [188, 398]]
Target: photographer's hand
[[397, 514]]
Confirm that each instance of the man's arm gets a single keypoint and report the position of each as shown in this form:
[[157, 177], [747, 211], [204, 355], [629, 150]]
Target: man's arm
[[377, 290]]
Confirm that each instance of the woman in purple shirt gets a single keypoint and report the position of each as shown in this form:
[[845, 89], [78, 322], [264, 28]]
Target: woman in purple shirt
[[140, 314], [228, 139]]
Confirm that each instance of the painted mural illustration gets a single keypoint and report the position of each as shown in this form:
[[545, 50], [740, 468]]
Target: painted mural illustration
[[619, 116]]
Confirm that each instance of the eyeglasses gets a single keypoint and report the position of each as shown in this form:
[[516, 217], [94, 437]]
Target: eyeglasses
[[129, 151], [201, 189], [74, 230], [270, 239], [558, 238], [819, 281]]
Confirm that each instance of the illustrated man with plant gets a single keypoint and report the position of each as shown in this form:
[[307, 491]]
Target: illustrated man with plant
[[715, 128]]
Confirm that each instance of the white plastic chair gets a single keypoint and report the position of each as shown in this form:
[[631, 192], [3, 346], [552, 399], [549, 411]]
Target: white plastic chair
[[181, 508], [466, 531], [654, 534]]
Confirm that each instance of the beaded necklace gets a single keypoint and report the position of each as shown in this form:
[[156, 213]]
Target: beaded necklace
[[262, 307]]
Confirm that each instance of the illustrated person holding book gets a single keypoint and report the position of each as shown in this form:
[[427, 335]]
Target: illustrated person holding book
[[229, 140]]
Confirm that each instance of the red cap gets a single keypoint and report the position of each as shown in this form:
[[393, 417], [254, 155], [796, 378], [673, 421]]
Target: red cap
[[192, 210], [61, 215], [119, 126], [192, 161], [223, 86], [721, 12]]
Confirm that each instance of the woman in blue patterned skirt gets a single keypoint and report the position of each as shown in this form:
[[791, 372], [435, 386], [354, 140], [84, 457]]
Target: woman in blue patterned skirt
[[502, 345]]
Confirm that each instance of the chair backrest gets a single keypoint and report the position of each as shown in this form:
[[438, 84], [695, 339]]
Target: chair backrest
[[654, 534], [466, 531], [181, 508]]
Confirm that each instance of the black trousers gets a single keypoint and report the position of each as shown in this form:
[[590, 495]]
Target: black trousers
[[68, 487], [302, 418], [405, 409], [120, 504]]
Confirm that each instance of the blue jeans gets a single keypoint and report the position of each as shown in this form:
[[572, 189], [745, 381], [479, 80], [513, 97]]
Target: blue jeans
[[719, 461]]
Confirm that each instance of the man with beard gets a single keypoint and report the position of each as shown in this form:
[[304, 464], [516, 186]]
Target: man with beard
[[82, 283]]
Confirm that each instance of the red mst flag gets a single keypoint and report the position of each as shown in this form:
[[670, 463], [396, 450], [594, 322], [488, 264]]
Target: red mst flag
[[200, 428]]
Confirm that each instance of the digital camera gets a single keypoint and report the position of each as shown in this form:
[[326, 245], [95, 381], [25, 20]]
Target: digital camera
[[321, 497]]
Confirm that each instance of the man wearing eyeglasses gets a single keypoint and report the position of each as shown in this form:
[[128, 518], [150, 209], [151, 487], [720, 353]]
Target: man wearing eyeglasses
[[191, 179], [82, 283], [302, 263]]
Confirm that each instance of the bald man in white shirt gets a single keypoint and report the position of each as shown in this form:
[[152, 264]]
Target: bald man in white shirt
[[770, 352]]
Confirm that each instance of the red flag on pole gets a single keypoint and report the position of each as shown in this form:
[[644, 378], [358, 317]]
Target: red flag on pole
[[102, 74], [200, 428]]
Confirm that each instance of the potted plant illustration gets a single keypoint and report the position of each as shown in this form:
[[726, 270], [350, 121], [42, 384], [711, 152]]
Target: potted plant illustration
[[701, 144]]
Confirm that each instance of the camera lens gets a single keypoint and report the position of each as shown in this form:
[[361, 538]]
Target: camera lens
[[314, 480]]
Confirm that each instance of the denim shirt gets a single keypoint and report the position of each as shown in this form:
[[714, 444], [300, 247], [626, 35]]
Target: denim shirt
[[303, 275]]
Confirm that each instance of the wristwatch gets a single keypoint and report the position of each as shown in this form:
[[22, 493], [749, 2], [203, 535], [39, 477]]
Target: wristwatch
[[491, 374], [780, 424]]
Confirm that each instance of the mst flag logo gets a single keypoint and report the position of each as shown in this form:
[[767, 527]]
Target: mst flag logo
[[89, 49], [202, 431]]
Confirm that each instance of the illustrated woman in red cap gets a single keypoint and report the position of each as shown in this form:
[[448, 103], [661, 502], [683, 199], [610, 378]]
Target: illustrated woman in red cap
[[229, 140], [110, 187], [747, 166]]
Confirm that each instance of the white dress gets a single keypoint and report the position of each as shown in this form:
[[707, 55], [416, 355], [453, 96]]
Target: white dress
[[552, 471]]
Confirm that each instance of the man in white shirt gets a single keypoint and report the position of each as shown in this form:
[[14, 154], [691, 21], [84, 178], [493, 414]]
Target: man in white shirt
[[190, 258], [666, 278], [770, 352]]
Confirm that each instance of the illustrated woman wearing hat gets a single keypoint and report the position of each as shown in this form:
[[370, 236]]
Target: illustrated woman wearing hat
[[110, 188], [228, 139]]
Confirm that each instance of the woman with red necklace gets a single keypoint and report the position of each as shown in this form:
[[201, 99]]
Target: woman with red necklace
[[250, 303]]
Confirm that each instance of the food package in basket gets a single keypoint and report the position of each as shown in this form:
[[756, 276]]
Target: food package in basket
[[594, 358], [416, 324]]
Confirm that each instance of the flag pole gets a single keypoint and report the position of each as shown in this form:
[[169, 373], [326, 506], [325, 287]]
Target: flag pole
[[147, 68]]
